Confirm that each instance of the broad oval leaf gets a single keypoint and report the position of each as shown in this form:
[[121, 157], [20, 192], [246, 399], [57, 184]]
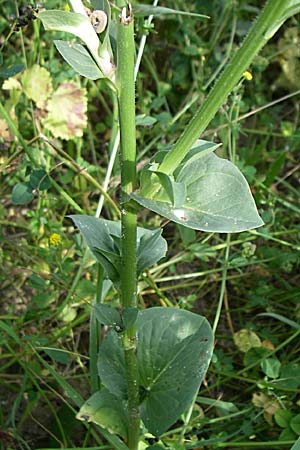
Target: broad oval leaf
[[73, 23], [218, 198], [174, 350], [37, 84], [107, 411], [79, 58], [22, 193]]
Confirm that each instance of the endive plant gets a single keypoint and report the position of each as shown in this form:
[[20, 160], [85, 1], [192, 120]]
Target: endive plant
[[152, 361]]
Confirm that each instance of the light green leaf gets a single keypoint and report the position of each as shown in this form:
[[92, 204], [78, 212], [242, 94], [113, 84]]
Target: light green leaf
[[289, 376], [67, 107], [283, 418], [174, 351], [142, 120], [176, 191], [296, 446], [79, 58], [295, 424], [271, 367], [22, 194], [145, 10], [246, 339], [287, 434], [107, 411], [218, 198], [37, 84], [68, 314], [71, 22]]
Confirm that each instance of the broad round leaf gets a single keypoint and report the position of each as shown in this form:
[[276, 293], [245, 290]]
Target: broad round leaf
[[218, 198], [174, 350], [67, 107], [22, 194], [37, 84]]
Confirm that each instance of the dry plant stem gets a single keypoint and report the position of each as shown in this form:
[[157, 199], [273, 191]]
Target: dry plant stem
[[256, 39], [128, 291]]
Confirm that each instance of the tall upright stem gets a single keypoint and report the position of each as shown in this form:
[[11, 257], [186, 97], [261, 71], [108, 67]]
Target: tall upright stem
[[126, 100], [256, 39]]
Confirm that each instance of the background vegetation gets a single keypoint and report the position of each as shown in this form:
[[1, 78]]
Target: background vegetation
[[52, 167]]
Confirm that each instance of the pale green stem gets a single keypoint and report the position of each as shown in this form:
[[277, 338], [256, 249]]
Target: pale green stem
[[128, 291]]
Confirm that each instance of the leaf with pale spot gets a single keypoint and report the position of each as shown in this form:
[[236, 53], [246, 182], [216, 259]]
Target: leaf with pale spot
[[66, 118], [37, 85]]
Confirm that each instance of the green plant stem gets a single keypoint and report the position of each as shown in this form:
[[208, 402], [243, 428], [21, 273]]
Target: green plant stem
[[256, 39], [126, 99]]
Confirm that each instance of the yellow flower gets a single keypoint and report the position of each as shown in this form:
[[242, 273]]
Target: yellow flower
[[248, 75], [55, 239]]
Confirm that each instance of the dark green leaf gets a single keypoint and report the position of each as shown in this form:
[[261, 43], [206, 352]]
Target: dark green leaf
[[174, 350], [111, 365], [129, 317], [103, 239], [218, 198], [58, 355], [22, 194], [107, 411], [39, 180], [79, 58], [97, 234], [150, 249], [107, 315], [11, 71]]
